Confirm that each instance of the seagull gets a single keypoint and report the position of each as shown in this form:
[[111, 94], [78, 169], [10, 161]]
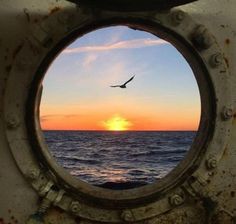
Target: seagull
[[123, 86]]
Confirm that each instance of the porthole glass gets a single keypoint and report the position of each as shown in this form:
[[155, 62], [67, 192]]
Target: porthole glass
[[116, 137]]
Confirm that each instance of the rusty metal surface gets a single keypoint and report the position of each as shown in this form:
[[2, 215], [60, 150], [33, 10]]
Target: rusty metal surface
[[28, 31]]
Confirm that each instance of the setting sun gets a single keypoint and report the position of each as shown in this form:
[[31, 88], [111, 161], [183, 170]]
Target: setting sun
[[117, 123]]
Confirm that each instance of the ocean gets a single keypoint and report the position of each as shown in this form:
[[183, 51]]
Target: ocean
[[119, 160]]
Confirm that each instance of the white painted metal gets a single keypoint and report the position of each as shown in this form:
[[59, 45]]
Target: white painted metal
[[26, 31]]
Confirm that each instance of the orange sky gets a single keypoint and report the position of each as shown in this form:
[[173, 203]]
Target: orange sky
[[110, 120]]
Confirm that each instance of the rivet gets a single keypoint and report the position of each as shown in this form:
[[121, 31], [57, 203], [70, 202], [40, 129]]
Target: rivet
[[33, 174], [177, 17], [227, 113], [127, 215], [176, 200], [12, 122], [75, 206], [211, 163], [202, 38], [216, 60]]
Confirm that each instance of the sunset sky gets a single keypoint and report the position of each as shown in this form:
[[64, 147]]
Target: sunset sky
[[77, 95]]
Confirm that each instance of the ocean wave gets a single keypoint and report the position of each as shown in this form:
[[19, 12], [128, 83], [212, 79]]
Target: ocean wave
[[111, 159]]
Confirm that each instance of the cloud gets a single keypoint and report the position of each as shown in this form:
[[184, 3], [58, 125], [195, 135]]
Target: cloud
[[45, 118], [88, 60], [128, 44]]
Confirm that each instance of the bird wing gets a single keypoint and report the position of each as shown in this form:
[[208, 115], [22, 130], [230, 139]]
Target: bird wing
[[129, 80], [115, 86]]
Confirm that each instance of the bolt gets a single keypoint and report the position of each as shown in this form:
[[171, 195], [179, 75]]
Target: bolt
[[176, 199], [59, 197], [33, 174], [202, 38], [75, 206], [211, 163], [210, 174], [12, 122], [216, 60], [127, 215], [227, 113], [45, 204], [177, 17]]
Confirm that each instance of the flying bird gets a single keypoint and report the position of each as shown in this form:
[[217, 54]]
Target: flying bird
[[124, 85]]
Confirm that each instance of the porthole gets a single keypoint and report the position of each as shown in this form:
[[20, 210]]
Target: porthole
[[187, 165], [115, 137], [51, 182]]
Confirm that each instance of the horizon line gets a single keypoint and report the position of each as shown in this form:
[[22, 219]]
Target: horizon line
[[113, 130]]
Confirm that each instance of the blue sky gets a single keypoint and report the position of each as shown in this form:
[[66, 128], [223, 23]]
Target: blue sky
[[77, 84]]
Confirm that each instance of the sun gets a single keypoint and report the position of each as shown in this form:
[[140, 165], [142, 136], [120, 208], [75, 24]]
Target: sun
[[117, 123]]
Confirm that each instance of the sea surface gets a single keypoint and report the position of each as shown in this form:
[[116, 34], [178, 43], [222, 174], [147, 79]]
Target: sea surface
[[119, 160]]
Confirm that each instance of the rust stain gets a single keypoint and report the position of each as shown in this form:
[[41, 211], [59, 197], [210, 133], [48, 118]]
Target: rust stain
[[17, 50], [27, 15], [226, 61], [8, 68], [36, 20], [234, 120], [55, 9], [225, 153], [52, 11], [12, 219], [227, 41], [33, 48]]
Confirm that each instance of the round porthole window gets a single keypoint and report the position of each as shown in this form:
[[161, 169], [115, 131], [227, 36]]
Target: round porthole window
[[120, 108]]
